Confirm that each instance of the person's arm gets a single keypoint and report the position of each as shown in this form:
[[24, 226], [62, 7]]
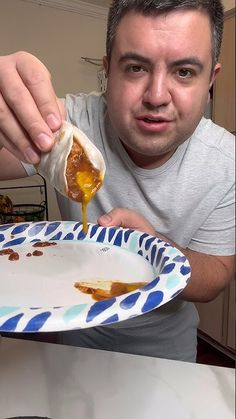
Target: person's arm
[[209, 274], [29, 110], [10, 166]]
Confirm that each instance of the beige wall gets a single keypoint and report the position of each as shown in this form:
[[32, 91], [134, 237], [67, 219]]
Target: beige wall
[[228, 4], [58, 38]]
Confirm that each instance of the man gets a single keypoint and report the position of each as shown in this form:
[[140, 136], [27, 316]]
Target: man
[[163, 158]]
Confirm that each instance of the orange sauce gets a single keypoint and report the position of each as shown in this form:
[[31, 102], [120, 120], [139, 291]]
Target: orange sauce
[[6, 252], [83, 179], [37, 253], [44, 244], [14, 256]]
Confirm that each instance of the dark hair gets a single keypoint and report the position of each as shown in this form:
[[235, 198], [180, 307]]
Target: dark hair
[[213, 8]]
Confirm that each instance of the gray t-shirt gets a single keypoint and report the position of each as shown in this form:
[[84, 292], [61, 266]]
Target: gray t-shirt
[[190, 200]]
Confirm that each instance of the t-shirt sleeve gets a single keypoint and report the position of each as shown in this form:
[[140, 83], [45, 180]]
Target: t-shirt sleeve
[[29, 168], [216, 236]]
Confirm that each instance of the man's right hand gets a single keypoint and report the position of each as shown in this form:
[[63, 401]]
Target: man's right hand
[[29, 110]]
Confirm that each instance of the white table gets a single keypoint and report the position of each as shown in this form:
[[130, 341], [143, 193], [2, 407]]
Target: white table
[[64, 382]]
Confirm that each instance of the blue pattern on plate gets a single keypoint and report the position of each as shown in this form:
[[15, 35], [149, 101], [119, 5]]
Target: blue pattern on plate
[[4, 227], [57, 236], [19, 229], [118, 238], [154, 299], [130, 301], [151, 284], [163, 262], [15, 242], [149, 242], [99, 307], [69, 236], [142, 237], [185, 270], [77, 225], [10, 324], [94, 230], [170, 267], [179, 258], [112, 319], [81, 235], [127, 234], [51, 228], [160, 252], [37, 322], [36, 229], [153, 254], [101, 235], [111, 233]]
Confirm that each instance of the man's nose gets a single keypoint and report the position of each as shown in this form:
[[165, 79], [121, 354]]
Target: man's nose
[[157, 91]]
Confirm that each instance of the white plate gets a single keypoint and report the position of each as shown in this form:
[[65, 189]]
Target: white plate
[[37, 294]]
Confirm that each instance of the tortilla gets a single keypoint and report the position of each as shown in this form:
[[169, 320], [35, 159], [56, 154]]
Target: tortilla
[[74, 166]]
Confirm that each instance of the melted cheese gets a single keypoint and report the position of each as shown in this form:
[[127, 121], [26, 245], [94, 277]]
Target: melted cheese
[[83, 180]]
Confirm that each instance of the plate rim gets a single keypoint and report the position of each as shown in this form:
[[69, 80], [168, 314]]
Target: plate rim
[[83, 314]]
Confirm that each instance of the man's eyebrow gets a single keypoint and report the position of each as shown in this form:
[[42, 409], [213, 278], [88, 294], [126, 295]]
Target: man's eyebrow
[[183, 61], [134, 56], [188, 61]]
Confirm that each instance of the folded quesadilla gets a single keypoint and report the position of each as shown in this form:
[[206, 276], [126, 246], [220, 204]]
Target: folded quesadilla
[[102, 289], [74, 166]]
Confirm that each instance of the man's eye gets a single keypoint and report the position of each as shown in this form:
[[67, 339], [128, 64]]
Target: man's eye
[[135, 69], [185, 73]]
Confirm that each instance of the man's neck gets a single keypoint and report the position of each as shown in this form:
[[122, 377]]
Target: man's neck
[[148, 162]]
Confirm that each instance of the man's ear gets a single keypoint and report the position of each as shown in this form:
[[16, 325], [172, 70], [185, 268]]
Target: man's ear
[[215, 72], [105, 64]]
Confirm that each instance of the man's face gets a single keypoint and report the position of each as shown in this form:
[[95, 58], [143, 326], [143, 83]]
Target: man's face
[[158, 82]]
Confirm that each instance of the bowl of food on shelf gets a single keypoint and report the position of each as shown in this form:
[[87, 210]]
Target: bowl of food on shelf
[[10, 213]]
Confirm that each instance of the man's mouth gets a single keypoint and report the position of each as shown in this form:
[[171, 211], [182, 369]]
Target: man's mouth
[[153, 124], [150, 121], [153, 119]]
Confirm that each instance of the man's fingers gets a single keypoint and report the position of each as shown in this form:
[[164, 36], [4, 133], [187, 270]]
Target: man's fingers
[[37, 79], [32, 157], [126, 218], [24, 109], [21, 146], [27, 90]]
